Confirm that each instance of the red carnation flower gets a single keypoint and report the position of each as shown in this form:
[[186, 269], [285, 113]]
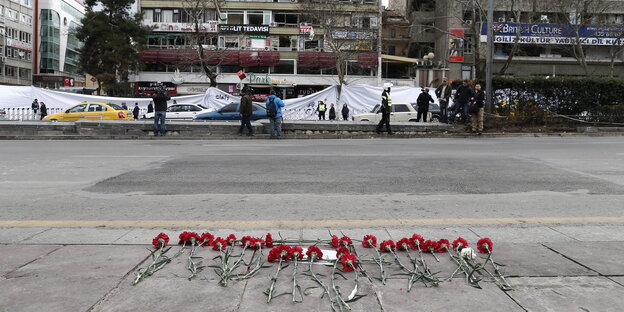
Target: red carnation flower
[[349, 262], [231, 239], [247, 241], [297, 252], [369, 241], [485, 245], [429, 246], [387, 246], [418, 241], [205, 239], [314, 253], [257, 243], [460, 243], [219, 244], [345, 241], [334, 241], [342, 251], [405, 244], [268, 241], [189, 238], [443, 245], [160, 241], [280, 252]]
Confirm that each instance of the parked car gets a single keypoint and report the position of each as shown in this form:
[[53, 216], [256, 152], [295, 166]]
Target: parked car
[[232, 112], [182, 111], [401, 112], [92, 110]]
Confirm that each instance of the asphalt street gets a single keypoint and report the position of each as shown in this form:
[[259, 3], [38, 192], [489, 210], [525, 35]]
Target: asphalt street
[[312, 179]]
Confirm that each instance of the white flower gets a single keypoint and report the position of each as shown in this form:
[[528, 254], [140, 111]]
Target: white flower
[[467, 253]]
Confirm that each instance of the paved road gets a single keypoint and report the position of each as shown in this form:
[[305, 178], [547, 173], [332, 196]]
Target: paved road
[[73, 212], [312, 180]]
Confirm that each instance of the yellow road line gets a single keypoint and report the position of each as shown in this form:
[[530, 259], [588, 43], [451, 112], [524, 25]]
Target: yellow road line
[[303, 223]]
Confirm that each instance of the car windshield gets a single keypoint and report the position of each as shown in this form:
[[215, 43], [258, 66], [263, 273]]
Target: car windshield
[[202, 106], [374, 110], [115, 106]]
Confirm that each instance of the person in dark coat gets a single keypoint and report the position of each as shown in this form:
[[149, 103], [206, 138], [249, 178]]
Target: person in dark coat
[[423, 104], [345, 112], [246, 110], [150, 107], [44, 110], [35, 107], [463, 95], [443, 92], [476, 116], [332, 113], [135, 111], [160, 110]]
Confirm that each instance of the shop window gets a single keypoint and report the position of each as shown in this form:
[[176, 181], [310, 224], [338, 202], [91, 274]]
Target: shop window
[[229, 69], [284, 67], [258, 69], [308, 71]]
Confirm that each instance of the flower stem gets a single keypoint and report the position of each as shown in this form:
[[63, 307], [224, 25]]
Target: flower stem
[[381, 269], [273, 281], [325, 288], [295, 285]]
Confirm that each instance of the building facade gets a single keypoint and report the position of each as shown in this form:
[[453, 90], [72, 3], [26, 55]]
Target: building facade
[[57, 48], [16, 42], [278, 44], [455, 33]]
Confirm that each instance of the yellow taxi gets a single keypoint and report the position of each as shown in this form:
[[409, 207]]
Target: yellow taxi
[[92, 111]]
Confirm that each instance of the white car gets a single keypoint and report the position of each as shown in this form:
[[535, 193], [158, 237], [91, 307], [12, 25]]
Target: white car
[[182, 111], [401, 112]]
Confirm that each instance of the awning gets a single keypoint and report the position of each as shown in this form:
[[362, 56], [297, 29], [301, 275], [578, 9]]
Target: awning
[[368, 60], [398, 59]]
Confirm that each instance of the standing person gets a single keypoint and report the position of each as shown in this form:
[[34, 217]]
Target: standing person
[[160, 105], [135, 111], [44, 110], [385, 109], [476, 115], [463, 95], [321, 108], [246, 110], [124, 106], [443, 93], [423, 104], [332, 112], [35, 107], [345, 112], [150, 107], [274, 110]]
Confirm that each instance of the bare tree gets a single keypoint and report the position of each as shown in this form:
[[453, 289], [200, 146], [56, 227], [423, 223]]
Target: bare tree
[[342, 34], [617, 47], [477, 13]]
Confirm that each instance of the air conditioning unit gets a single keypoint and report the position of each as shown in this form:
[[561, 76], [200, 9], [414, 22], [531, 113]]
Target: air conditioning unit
[[273, 24], [468, 22], [266, 48], [2, 59], [243, 48]]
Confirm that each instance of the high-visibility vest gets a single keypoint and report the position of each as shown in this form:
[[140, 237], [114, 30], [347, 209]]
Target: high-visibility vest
[[322, 107], [386, 96]]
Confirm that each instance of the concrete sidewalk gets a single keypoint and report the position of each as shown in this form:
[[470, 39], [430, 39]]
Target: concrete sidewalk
[[555, 268]]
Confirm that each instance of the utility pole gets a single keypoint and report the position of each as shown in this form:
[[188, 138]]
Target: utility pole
[[489, 66]]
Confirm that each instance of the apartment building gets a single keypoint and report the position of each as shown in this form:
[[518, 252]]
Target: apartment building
[[56, 50], [16, 42], [278, 44]]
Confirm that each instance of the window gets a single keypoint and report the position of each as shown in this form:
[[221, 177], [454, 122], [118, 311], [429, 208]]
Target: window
[[366, 22], [156, 17], [10, 71], [391, 50], [286, 19], [194, 108], [231, 42], [176, 16], [78, 109], [167, 16], [400, 108], [148, 15], [392, 33], [235, 17], [230, 108], [468, 43], [311, 45], [255, 18], [96, 108], [284, 67]]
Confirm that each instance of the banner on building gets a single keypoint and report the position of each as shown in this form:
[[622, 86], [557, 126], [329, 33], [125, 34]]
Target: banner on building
[[555, 34], [456, 45]]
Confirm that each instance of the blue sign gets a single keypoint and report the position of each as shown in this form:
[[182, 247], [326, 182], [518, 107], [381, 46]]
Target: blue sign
[[555, 34]]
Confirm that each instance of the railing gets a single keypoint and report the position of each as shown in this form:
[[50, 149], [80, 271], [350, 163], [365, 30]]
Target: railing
[[25, 114]]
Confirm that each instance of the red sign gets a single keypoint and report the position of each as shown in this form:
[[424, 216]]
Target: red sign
[[93, 79], [259, 97], [241, 74], [305, 30], [456, 45]]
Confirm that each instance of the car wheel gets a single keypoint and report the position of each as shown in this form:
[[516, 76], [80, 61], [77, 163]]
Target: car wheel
[[364, 120]]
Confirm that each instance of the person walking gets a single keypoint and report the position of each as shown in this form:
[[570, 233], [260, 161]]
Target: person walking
[[136, 111], [160, 99], [332, 113], [385, 109], [44, 110], [422, 102], [246, 110], [274, 110], [35, 107], [150, 107], [463, 95], [321, 108], [345, 112], [443, 93], [476, 114]]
